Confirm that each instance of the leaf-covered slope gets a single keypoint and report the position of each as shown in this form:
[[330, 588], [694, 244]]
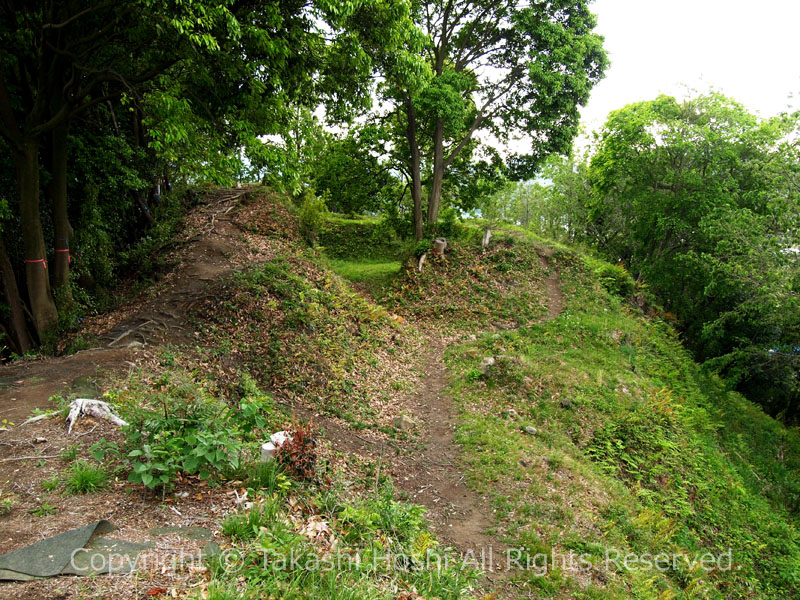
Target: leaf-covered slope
[[473, 288], [302, 332], [635, 448]]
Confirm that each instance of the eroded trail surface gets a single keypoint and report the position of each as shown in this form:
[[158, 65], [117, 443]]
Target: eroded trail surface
[[215, 244], [436, 477]]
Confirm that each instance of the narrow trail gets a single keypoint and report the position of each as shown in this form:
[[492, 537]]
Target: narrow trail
[[161, 317], [555, 297], [437, 480]]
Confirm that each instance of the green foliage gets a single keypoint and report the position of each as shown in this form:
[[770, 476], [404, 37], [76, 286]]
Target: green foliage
[[247, 525], [373, 275], [663, 454], [364, 238], [51, 484], [699, 198], [6, 504], [301, 330], [313, 214], [470, 286], [368, 525], [353, 176], [268, 477], [69, 453], [45, 509], [85, 478], [181, 427], [614, 278]]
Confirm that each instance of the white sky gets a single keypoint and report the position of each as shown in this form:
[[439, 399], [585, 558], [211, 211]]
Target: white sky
[[748, 50]]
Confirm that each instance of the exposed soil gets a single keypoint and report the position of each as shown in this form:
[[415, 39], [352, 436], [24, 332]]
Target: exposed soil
[[434, 476], [28, 384], [555, 297], [218, 242]]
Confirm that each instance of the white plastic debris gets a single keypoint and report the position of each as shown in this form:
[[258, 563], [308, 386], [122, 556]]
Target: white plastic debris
[[268, 452], [275, 440], [280, 437]]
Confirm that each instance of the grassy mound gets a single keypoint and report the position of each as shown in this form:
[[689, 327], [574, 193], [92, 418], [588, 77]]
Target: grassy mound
[[303, 333], [472, 288], [633, 449]]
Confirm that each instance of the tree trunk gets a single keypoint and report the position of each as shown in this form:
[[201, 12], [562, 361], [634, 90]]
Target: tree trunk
[[19, 328], [40, 295], [416, 174], [57, 190], [438, 172]]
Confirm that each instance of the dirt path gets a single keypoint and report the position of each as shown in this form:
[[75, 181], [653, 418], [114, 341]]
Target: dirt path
[[555, 297], [435, 477], [158, 317]]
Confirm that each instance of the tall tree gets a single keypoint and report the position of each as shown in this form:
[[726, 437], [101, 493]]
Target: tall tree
[[58, 59], [502, 69], [700, 199], [248, 60]]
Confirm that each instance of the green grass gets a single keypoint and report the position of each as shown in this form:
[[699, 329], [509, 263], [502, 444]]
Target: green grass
[[375, 275], [647, 453], [366, 522], [45, 509], [51, 484], [69, 453], [84, 478]]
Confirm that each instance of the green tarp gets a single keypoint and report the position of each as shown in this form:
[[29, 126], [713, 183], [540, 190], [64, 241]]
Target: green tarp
[[81, 551]]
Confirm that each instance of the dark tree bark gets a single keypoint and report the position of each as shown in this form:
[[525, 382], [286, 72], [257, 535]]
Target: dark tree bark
[[435, 198], [19, 328], [57, 191], [415, 168], [40, 295]]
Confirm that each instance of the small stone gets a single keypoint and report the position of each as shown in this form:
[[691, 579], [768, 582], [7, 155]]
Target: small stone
[[472, 337], [530, 430], [566, 403], [39, 440], [513, 414], [403, 423], [486, 364]]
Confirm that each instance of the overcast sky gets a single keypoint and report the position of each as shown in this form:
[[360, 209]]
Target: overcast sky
[[748, 50]]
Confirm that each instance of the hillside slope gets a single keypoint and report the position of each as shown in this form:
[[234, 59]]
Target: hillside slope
[[633, 448], [508, 400]]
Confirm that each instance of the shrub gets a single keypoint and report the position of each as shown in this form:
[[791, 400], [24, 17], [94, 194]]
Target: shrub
[[614, 278], [298, 455], [313, 215], [191, 431]]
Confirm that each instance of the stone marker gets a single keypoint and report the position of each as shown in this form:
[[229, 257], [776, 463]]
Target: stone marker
[[403, 423], [486, 364]]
